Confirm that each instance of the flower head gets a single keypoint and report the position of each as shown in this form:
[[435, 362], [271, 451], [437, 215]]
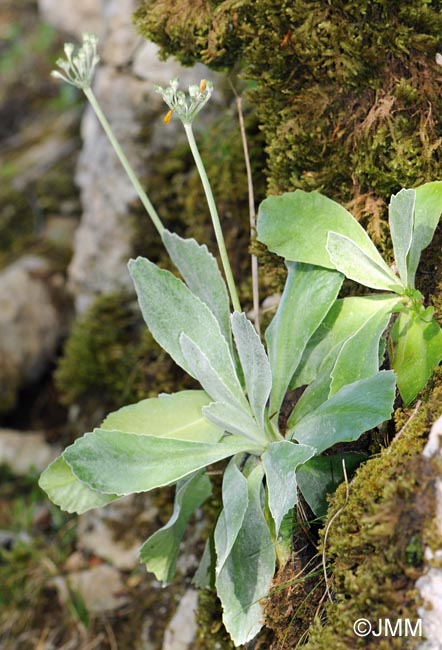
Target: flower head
[[186, 107], [78, 69]]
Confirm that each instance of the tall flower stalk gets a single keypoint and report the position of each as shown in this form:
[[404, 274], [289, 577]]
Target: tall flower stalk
[[214, 216], [187, 108], [78, 70]]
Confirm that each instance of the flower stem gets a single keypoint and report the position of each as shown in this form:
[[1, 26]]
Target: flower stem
[[215, 218], [124, 161]]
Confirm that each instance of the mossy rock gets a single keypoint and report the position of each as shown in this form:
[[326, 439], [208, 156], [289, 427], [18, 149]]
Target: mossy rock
[[347, 93], [375, 545]]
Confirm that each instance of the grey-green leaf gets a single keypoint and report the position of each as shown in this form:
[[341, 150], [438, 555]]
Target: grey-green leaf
[[170, 309], [320, 476], [416, 349], [309, 293], [346, 316], [168, 416], [358, 358], [426, 217], [236, 421], [247, 573], [401, 219], [115, 462], [160, 552], [357, 407], [68, 492], [280, 462], [235, 502], [204, 576], [295, 225], [313, 396], [212, 383], [255, 364], [202, 275], [354, 263]]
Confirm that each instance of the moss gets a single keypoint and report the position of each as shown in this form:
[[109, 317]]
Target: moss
[[211, 633], [29, 48], [374, 545], [111, 359], [193, 30], [347, 93]]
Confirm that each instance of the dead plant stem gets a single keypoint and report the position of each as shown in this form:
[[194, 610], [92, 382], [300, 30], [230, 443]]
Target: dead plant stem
[[324, 544], [252, 215]]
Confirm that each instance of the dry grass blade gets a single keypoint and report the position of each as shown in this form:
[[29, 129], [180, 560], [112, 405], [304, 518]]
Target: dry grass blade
[[324, 546]]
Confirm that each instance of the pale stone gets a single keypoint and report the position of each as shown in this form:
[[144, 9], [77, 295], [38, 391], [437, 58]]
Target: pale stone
[[181, 630], [25, 451], [73, 16], [433, 445], [31, 325], [121, 39], [101, 588], [148, 66], [429, 585], [103, 241], [97, 532], [60, 229], [430, 589]]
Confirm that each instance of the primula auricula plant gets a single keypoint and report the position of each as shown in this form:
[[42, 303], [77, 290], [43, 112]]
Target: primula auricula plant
[[331, 346]]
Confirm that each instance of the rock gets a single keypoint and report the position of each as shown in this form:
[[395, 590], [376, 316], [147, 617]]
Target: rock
[[73, 16], [60, 230], [429, 585], [434, 443], [9, 538], [103, 241], [430, 589], [25, 451], [181, 630], [39, 146], [101, 588], [109, 532], [31, 324], [146, 65], [121, 40]]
